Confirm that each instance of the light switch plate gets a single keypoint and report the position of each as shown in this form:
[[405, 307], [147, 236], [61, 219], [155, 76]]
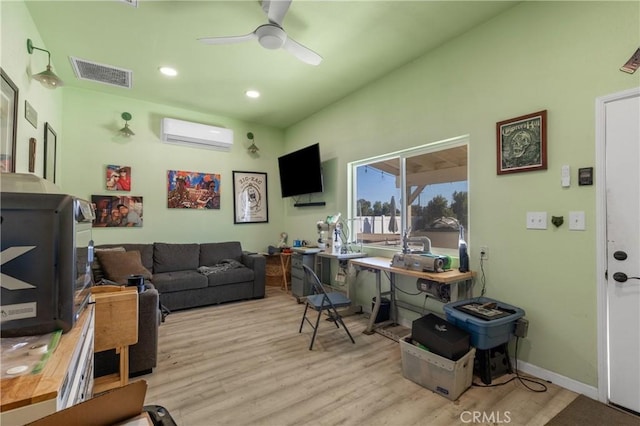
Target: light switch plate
[[536, 220], [576, 221]]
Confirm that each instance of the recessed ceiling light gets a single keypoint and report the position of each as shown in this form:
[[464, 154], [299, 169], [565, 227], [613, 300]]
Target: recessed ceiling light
[[252, 94], [170, 72]]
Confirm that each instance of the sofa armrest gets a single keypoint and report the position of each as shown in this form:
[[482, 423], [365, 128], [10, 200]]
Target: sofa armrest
[[258, 263], [143, 355]]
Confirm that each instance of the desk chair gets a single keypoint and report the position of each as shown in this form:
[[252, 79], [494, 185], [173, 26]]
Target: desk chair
[[321, 301]]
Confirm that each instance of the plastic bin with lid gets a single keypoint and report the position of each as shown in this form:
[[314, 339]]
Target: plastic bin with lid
[[485, 334]]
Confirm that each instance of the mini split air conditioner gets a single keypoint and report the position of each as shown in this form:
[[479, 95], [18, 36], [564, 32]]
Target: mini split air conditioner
[[196, 135]]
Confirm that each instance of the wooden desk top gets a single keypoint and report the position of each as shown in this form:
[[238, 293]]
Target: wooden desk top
[[32, 388], [384, 264]]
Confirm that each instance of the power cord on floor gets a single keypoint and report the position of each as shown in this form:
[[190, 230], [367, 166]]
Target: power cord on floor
[[520, 378]]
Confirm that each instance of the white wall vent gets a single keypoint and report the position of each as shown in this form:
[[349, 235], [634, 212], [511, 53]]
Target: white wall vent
[[195, 135]]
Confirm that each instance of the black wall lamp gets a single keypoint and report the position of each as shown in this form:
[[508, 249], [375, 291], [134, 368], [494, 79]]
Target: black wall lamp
[[47, 77]]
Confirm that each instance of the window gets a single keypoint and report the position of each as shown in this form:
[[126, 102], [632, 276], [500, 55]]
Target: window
[[422, 189]]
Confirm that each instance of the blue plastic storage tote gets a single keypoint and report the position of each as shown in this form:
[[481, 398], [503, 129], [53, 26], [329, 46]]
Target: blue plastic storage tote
[[485, 334]]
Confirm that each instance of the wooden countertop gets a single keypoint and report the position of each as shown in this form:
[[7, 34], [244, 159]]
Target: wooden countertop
[[32, 388], [384, 264]]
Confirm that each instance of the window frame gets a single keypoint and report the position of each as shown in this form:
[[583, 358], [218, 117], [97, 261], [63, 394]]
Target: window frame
[[401, 155]]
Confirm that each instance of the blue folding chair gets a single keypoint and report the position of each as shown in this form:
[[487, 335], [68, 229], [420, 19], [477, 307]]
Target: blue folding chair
[[322, 301]]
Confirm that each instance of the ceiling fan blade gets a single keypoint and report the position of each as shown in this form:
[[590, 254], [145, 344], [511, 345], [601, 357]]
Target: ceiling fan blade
[[275, 10], [301, 52], [228, 40]]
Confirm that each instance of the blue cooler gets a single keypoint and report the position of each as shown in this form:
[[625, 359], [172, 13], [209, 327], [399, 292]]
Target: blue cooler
[[488, 327]]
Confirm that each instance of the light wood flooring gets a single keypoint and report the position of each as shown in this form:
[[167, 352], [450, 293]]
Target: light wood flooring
[[246, 364]]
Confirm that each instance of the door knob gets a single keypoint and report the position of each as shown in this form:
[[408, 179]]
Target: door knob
[[620, 255], [621, 277]]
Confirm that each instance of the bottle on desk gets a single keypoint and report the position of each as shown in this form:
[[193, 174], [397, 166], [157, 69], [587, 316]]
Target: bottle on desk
[[337, 244]]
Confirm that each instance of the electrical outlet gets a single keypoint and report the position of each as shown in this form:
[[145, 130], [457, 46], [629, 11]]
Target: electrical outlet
[[484, 253]]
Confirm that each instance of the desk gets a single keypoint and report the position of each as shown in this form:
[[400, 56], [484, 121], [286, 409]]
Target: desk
[[379, 264]]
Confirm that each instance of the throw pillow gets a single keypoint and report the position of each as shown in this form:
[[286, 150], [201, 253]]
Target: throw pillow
[[117, 266]]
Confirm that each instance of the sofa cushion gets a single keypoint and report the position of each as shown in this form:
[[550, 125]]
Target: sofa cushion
[[231, 276], [118, 265], [146, 251], [175, 257], [212, 253], [169, 282]]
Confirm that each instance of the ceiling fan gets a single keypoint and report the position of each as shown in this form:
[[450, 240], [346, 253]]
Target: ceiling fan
[[272, 35]]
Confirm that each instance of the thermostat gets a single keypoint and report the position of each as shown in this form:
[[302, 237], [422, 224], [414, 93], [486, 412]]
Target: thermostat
[[585, 176]]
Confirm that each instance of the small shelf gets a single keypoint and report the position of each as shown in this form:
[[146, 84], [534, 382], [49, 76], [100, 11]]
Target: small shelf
[[314, 204]]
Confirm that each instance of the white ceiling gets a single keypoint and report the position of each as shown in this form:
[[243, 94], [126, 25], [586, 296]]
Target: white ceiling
[[360, 41]]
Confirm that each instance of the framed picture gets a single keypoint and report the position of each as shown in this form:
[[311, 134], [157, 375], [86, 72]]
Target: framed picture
[[117, 211], [118, 178], [32, 154], [50, 142], [250, 204], [193, 190], [522, 143], [9, 128]]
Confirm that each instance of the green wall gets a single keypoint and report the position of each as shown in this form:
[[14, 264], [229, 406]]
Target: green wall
[[91, 123], [558, 56], [16, 27]]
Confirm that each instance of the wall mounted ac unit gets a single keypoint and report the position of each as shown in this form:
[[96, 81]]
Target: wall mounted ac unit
[[195, 134]]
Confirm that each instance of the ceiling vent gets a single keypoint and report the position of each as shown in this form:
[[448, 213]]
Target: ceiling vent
[[106, 74]]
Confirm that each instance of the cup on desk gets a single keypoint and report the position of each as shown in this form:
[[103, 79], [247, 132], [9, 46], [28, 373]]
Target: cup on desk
[[297, 243]]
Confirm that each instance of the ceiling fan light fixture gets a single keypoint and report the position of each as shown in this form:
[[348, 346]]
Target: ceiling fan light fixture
[[47, 77], [271, 36]]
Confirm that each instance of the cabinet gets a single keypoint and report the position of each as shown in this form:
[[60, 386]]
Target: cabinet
[[300, 286], [66, 380]]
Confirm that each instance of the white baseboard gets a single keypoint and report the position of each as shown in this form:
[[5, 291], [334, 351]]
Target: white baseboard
[[557, 379]]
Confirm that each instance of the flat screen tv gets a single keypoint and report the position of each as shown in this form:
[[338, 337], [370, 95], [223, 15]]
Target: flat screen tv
[[301, 171]]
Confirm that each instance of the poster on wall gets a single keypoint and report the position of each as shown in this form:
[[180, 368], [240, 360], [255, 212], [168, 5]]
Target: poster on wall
[[522, 143], [250, 204], [118, 178], [117, 211], [193, 190]]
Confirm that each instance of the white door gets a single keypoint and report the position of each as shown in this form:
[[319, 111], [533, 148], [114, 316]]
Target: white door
[[622, 185]]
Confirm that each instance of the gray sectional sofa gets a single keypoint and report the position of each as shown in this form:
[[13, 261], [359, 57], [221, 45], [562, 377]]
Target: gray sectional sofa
[[188, 275]]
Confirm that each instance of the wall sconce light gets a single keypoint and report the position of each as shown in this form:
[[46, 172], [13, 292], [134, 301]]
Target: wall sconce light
[[126, 131], [47, 77], [253, 148]]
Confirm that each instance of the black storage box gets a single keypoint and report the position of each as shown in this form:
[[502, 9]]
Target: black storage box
[[440, 337]]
